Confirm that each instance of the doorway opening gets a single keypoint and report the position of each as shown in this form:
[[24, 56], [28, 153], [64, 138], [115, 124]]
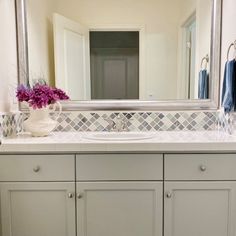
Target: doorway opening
[[114, 64]]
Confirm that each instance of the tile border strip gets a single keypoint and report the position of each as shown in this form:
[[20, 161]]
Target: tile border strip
[[11, 123]]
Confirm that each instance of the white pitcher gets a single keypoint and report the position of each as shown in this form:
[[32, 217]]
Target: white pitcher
[[40, 123]]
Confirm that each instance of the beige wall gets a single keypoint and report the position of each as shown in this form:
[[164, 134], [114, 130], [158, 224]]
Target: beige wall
[[203, 35], [228, 32], [40, 39], [229, 29], [8, 61], [187, 9]]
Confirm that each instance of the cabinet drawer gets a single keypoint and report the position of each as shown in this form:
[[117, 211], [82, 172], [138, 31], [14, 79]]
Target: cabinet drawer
[[37, 168], [200, 167], [119, 167]]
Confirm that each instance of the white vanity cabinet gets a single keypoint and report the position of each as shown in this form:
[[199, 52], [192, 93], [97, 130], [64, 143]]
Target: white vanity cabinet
[[37, 195], [195, 206], [119, 194]]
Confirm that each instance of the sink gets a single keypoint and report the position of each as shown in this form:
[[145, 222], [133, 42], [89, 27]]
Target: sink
[[116, 136]]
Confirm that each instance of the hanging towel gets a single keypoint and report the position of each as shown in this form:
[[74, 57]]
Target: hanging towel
[[203, 85], [228, 90]]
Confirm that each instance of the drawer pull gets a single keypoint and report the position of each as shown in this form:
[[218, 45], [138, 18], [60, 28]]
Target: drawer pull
[[203, 168], [36, 169], [79, 195], [70, 195], [168, 194]]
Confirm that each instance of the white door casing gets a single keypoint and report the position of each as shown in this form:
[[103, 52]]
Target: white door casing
[[142, 49]]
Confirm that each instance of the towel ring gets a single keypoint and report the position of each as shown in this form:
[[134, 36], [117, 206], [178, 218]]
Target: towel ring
[[206, 59], [230, 46]]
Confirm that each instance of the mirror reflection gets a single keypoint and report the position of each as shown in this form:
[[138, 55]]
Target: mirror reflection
[[132, 49]]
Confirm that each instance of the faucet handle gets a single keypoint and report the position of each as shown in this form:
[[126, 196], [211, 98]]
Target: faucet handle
[[119, 124], [122, 123], [125, 126]]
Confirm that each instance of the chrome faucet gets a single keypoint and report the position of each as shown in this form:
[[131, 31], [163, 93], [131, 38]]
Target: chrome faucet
[[117, 125]]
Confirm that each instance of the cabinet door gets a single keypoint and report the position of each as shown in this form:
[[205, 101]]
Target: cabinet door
[[38, 209], [119, 209], [199, 209]]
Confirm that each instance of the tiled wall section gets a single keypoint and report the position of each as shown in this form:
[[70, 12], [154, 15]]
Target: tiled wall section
[[10, 123], [138, 121]]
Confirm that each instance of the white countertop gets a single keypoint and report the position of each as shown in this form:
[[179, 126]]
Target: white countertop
[[165, 141]]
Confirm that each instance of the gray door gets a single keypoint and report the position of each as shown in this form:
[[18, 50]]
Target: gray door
[[115, 73]]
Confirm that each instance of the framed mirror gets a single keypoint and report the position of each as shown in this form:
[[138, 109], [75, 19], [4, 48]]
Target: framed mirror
[[123, 55]]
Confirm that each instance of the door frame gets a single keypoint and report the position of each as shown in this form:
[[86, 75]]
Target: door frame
[[142, 49], [183, 74]]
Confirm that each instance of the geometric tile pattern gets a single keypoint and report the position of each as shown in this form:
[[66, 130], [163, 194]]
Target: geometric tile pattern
[[138, 121], [10, 124]]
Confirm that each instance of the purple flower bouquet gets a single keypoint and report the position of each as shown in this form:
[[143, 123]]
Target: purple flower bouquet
[[39, 98], [40, 95]]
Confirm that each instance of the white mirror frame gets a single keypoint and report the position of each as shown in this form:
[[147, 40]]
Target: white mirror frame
[[210, 104]]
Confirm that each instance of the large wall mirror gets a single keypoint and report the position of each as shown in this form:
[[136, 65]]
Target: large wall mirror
[[132, 54]]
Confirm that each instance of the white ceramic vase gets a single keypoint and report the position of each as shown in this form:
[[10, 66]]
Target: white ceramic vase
[[40, 123]]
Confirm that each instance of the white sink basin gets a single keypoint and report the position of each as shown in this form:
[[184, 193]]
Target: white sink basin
[[115, 136]]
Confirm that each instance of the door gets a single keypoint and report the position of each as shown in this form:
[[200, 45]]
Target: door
[[71, 50], [38, 209], [115, 73], [119, 209], [199, 209]]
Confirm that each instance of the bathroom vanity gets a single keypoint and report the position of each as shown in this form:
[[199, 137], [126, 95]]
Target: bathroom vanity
[[87, 189], [147, 61]]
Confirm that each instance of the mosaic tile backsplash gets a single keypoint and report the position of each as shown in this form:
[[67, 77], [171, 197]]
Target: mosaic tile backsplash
[[136, 121], [10, 123]]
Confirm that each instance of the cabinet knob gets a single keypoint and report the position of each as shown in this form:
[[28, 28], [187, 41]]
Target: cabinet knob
[[36, 169], [79, 195], [70, 195], [168, 194], [203, 168]]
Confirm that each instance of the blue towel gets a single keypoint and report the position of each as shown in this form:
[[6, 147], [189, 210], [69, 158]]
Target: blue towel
[[228, 90], [203, 85]]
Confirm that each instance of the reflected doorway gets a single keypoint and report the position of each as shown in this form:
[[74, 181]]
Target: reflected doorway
[[114, 64]]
